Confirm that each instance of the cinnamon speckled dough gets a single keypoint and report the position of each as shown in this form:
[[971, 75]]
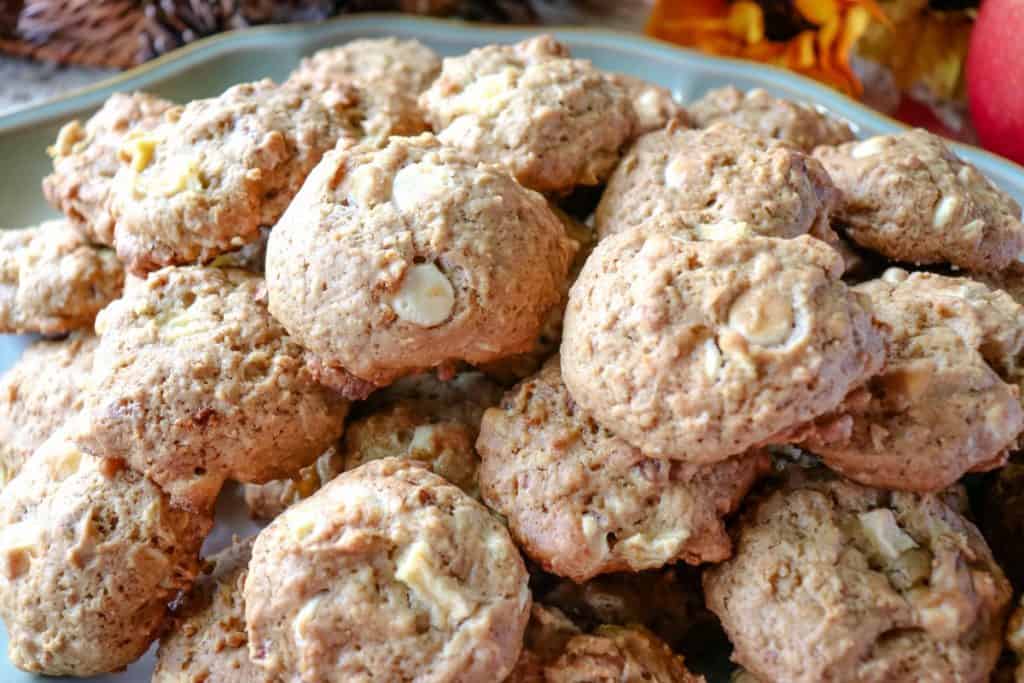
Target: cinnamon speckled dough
[[90, 555], [206, 639], [910, 198], [581, 501], [722, 174], [52, 281], [195, 382], [42, 390], [796, 124], [940, 407], [653, 105], [387, 573], [85, 160], [555, 122], [701, 350], [204, 182], [1010, 280], [832, 581], [401, 255], [389, 75]]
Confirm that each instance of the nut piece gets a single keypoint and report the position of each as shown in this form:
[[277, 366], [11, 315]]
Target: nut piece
[[425, 297]]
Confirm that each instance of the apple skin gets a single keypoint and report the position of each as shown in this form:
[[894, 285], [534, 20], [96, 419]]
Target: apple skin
[[995, 77]]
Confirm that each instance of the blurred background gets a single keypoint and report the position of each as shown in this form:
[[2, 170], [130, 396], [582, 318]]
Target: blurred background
[[947, 65]]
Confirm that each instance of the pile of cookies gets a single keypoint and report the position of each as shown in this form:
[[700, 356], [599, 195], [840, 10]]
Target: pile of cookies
[[535, 375]]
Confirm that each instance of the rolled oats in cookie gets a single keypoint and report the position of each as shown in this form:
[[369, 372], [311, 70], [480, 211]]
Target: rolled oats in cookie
[[653, 105], [832, 581], [581, 501], [52, 281], [940, 408], [910, 198], [194, 383], [402, 255], [389, 75], [85, 160], [553, 121], [203, 182], [43, 389], [699, 351], [387, 573], [206, 639], [799, 125], [90, 555], [724, 179]]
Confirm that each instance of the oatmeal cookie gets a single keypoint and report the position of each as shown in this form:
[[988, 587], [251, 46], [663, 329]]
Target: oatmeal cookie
[[402, 255], [387, 573], [910, 198], [203, 182], [939, 409], [798, 125], [194, 382], [85, 160], [719, 176], [206, 639], [698, 351], [389, 75], [45, 388], [832, 581], [581, 501], [266, 501], [1010, 280], [52, 281], [553, 121], [90, 555], [653, 105]]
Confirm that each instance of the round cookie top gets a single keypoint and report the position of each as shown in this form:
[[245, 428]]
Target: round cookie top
[[910, 198], [206, 639], [90, 555], [701, 350], [832, 581], [204, 181], [85, 160], [402, 255], [719, 175], [389, 75], [796, 124], [45, 388], [195, 382], [52, 281], [581, 501], [555, 122], [390, 573], [940, 408]]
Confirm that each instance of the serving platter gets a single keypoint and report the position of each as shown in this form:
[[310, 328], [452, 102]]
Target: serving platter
[[207, 67]]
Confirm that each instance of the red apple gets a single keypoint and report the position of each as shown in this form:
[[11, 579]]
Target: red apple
[[995, 77]]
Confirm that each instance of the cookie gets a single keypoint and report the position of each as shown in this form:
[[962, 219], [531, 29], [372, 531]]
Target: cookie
[[698, 351], [389, 74], [1010, 280], [203, 182], [85, 160], [910, 198], [194, 383], [939, 409], [266, 501], [832, 581], [722, 177], [251, 257], [43, 389], [581, 501], [206, 639], [52, 281], [653, 105], [387, 573], [798, 125], [90, 555], [553, 121], [547, 633], [403, 255]]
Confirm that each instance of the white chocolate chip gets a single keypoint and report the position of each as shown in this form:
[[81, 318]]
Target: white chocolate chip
[[868, 148], [652, 548], [975, 226], [439, 593], [425, 297], [418, 184], [18, 543], [763, 316], [712, 358], [944, 211], [675, 173], [723, 230], [302, 621], [885, 533]]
